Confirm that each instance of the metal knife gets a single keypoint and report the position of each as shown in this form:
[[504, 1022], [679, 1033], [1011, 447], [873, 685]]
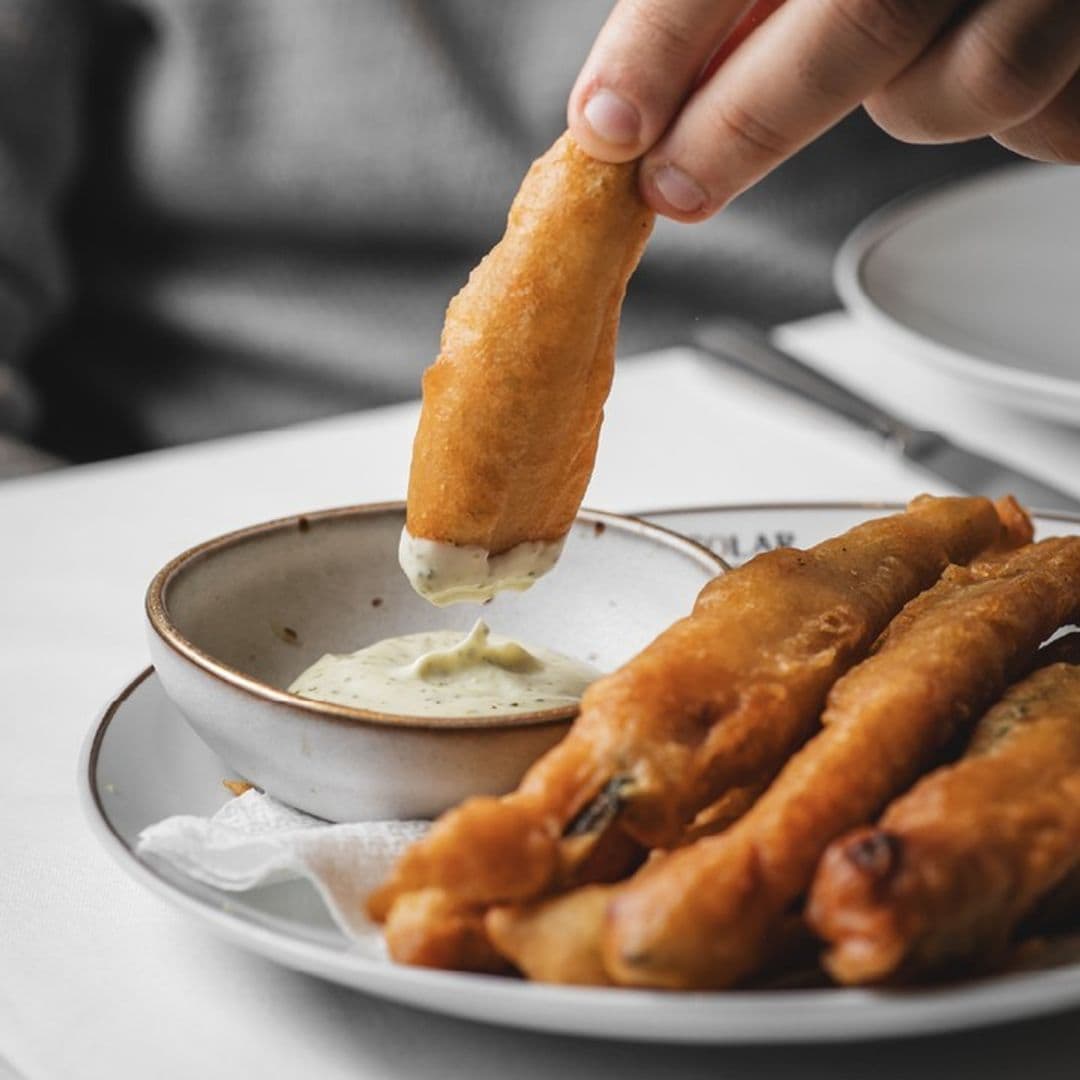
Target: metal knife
[[746, 347]]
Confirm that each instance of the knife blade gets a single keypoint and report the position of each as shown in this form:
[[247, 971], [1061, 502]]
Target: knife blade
[[748, 348]]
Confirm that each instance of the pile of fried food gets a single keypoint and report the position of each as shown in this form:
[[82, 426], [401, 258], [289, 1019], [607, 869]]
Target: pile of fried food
[[862, 752]]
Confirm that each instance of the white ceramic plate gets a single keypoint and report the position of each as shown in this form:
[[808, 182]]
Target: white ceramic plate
[[142, 763], [980, 279]]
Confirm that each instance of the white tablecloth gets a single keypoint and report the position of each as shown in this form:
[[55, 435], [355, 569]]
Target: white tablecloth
[[100, 979]]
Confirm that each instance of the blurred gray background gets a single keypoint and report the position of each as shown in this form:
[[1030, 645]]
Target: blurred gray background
[[224, 215]]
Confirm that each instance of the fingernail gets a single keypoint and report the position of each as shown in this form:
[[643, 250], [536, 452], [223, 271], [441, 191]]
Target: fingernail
[[612, 119], [680, 191]]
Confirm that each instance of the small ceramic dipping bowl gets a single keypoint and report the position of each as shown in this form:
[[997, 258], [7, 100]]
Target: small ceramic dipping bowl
[[233, 622]]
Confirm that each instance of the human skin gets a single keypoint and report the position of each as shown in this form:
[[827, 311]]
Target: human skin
[[713, 94]]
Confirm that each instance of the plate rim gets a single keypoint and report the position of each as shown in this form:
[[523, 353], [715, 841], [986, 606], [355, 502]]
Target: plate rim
[[876, 228], [904, 1014]]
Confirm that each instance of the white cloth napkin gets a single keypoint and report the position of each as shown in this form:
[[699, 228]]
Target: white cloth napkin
[[254, 840]]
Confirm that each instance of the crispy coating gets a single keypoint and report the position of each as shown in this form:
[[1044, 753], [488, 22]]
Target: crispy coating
[[717, 702], [1041, 954], [1056, 912], [702, 916], [432, 929], [513, 404], [555, 940], [954, 864]]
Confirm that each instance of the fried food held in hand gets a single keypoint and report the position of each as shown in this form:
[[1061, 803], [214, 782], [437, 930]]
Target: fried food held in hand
[[513, 405]]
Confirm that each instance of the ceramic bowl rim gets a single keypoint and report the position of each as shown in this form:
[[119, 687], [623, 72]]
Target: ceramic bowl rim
[[1069, 517], [160, 621]]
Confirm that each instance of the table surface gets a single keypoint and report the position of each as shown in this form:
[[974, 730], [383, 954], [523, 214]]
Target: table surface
[[100, 979]]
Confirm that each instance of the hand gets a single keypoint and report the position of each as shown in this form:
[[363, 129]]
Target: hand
[[927, 71]]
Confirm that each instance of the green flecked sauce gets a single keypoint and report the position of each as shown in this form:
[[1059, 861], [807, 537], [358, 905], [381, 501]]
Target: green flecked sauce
[[447, 673]]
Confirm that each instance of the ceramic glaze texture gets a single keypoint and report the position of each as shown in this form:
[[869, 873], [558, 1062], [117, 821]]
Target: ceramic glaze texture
[[979, 279], [234, 622]]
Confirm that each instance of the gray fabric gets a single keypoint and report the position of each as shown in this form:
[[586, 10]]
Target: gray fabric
[[40, 76], [18, 458], [275, 199]]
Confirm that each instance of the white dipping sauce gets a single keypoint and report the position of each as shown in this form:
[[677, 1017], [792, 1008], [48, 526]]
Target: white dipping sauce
[[451, 573], [447, 673]]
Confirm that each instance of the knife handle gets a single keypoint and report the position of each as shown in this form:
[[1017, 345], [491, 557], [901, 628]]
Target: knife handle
[[745, 346]]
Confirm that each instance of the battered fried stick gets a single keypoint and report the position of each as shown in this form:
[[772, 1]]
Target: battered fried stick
[[513, 405], [558, 939], [718, 701], [432, 929], [956, 863], [1057, 912], [702, 916]]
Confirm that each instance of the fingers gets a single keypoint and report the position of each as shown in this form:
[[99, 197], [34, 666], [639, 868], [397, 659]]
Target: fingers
[[645, 61], [1003, 67], [1002, 64], [806, 67], [1052, 134]]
